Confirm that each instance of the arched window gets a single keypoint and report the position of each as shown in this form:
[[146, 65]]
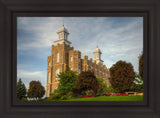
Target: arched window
[[58, 57], [57, 72]]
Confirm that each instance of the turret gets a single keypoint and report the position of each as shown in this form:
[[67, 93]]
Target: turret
[[62, 36], [97, 55]]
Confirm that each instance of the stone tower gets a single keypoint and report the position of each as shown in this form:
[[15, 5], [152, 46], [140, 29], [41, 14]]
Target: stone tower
[[57, 62], [64, 56]]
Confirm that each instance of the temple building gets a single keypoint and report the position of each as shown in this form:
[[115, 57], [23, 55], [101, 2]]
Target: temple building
[[63, 56]]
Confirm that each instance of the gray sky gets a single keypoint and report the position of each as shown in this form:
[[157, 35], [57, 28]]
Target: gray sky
[[119, 38]]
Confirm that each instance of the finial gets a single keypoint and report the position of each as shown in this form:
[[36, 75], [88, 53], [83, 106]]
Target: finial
[[62, 23], [97, 46]]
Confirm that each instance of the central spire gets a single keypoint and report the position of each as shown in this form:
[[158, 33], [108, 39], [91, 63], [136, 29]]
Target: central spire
[[62, 36]]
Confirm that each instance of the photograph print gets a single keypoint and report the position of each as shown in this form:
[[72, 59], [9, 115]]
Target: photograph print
[[79, 59]]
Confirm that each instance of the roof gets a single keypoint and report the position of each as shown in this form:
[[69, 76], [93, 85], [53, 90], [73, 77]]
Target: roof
[[63, 29], [97, 50]]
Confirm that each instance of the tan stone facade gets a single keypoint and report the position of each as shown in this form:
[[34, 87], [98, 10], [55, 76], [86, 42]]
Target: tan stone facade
[[63, 56]]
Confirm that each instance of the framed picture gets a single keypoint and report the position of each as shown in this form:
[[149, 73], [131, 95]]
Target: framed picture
[[33, 35]]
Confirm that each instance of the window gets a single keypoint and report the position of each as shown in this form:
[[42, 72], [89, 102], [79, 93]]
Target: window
[[79, 59], [79, 71], [49, 63], [64, 35], [57, 57], [61, 35], [71, 59], [49, 77], [48, 93], [57, 72]]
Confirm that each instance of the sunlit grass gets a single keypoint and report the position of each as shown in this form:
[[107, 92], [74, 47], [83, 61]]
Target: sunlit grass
[[109, 98]]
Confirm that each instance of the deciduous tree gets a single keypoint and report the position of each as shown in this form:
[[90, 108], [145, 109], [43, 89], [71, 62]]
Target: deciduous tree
[[36, 90], [67, 81], [87, 81], [122, 76]]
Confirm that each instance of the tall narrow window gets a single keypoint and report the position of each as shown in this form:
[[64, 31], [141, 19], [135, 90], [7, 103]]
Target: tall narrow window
[[48, 93], [49, 77], [49, 63], [71, 59], [64, 35], [57, 72], [57, 57], [61, 35], [79, 71]]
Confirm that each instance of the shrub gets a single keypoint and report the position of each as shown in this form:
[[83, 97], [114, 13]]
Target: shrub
[[110, 89], [137, 88], [89, 92], [99, 92], [24, 99]]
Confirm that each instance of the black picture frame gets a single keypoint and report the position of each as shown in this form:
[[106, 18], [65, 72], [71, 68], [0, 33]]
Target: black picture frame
[[10, 9]]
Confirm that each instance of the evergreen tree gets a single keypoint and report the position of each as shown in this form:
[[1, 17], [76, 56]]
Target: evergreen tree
[[36, 90], [21, 90]]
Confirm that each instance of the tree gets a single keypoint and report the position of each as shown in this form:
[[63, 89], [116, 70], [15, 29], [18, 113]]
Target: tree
[[141, 66], [87, 81], [66, 83], [36, 90], [102, 85], [138, 79], [122, 76], [21, 89], [67, 80]]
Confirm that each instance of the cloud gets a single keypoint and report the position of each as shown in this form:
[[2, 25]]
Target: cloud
[[28, 74]]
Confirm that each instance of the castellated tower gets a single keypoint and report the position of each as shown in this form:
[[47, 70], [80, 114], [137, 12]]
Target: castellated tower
[[63, 56]]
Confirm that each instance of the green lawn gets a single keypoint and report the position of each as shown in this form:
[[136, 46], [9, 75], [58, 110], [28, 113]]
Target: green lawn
[[109, 98]]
